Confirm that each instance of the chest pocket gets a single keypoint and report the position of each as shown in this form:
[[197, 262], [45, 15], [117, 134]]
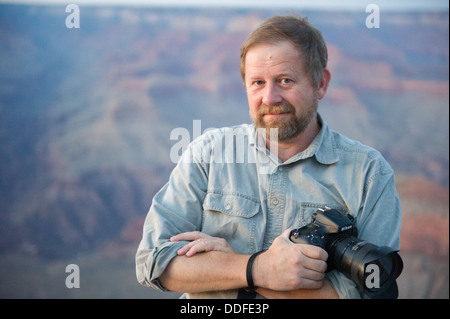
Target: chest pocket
[[233, 217]]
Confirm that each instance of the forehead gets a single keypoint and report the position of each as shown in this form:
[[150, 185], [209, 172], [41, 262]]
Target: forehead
[[281, 56]]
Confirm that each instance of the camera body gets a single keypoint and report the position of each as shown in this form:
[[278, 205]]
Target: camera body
[[336, 234], [327, 227]]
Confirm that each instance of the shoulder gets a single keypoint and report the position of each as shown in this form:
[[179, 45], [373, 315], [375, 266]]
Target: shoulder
[[367, 156]]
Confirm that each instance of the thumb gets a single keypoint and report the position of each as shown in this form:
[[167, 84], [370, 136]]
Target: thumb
[[286, 234]]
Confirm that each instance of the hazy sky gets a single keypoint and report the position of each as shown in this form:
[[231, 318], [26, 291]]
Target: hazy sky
[[309, 4]]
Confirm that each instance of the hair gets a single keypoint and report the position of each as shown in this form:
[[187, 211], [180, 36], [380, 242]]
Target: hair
[[297, 30]]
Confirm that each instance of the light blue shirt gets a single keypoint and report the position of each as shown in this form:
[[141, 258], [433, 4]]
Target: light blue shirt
[[228, 185]]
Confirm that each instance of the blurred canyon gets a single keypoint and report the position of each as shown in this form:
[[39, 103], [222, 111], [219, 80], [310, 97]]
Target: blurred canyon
[[86, 115]]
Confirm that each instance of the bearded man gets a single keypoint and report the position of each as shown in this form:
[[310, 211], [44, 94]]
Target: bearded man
[[221, 228]]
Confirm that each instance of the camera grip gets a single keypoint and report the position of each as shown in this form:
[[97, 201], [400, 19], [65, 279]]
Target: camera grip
[[312, 237]]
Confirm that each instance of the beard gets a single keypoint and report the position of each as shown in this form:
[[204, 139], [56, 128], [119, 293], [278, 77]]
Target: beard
[[286, 129]]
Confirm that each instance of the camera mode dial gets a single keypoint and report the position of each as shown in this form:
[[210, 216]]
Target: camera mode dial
[[314, 238]]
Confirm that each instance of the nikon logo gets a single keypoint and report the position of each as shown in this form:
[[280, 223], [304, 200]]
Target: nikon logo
[[372, 274]]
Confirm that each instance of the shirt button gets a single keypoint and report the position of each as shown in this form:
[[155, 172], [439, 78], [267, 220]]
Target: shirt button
[[275, 201], [227, 206], [280, 168]]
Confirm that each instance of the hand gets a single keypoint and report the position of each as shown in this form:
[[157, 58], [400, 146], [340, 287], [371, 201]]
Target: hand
[[288, 266], [201, 242]]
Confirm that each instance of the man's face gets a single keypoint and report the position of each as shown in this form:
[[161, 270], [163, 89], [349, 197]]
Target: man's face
[[279, 91]]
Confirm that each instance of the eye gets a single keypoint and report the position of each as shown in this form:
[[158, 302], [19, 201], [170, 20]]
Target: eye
[[286, 81], [259, 83]]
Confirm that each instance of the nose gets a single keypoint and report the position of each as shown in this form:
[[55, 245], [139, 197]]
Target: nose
[[271, 96]]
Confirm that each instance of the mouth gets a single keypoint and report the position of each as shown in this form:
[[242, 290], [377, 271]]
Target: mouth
[[277, 114]]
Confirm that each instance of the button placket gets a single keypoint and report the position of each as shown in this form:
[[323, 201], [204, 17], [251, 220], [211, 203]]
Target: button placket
[[275, 205]]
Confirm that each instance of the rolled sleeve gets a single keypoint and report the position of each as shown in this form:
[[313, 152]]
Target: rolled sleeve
[[175, 209], [151, 263]]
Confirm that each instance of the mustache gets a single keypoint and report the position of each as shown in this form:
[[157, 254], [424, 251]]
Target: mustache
[[285, 107]]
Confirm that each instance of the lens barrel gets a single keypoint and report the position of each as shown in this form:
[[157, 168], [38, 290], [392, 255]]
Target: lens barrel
[[374, 269]]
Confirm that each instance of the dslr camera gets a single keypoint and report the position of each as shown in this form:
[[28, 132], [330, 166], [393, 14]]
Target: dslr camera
[[374, 269]]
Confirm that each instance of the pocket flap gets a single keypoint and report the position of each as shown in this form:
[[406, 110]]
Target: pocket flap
[[232, 204]]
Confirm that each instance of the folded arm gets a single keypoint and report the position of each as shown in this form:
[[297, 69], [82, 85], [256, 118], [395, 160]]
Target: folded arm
[[286, 270]]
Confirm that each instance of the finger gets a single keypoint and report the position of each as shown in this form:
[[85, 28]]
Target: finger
[[312, 274], [286, 234], [194, 247], [315, 265], [183, 250], [314, 252], [197, 247], [190, 249], [188, 236], [310, 284]]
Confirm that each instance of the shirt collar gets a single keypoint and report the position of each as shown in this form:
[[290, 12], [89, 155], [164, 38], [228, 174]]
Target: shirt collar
[[323, 147]]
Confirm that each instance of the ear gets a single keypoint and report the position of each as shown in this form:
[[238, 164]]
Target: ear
[[323, 85]]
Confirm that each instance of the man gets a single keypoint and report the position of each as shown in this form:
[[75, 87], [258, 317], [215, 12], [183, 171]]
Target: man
[[219, 226]]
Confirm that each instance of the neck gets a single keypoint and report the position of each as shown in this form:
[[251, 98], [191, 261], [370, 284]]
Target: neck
[[286, 149]]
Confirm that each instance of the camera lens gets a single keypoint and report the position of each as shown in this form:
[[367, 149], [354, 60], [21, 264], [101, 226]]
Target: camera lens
[[384, 266], [372, 268]]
